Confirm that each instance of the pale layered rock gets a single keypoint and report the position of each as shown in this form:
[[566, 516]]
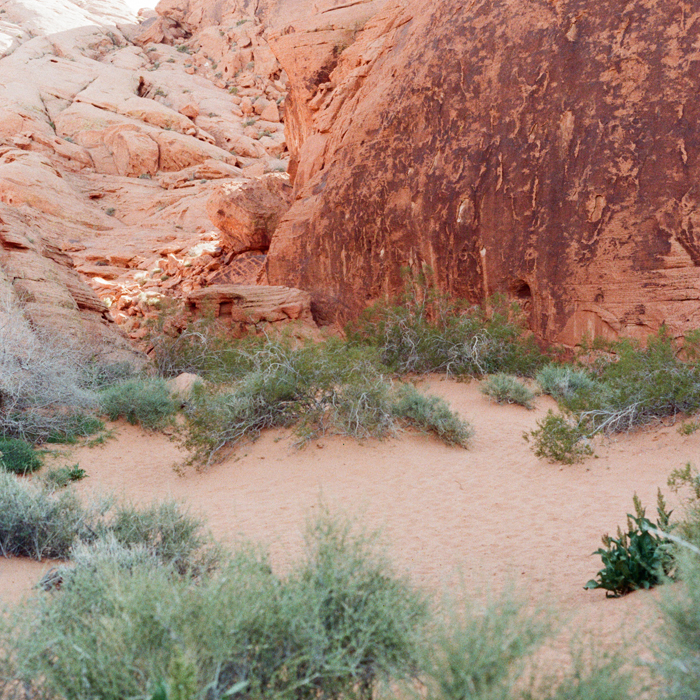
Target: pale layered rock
[[252, 305]]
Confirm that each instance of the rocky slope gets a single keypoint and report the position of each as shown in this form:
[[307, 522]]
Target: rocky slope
[[113, 148], [546, 150]]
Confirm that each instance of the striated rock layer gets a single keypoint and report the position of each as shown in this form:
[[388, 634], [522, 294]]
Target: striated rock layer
[[548, 150]]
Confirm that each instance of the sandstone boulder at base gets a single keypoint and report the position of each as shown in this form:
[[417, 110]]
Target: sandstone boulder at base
[[248, 211], [252, 305], [549, 151]]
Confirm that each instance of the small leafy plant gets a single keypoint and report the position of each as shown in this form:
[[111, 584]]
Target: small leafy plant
[[504, 388], [145, 402], [61, 477], [636, 559], [559, 439]]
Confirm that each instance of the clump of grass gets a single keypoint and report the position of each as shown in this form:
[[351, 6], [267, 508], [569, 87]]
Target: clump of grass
[[145, 402], [173, 536], [433, 415], [504, 388], [76, 426], [18, 456], [559, 439], [562, 382], [38, 523]]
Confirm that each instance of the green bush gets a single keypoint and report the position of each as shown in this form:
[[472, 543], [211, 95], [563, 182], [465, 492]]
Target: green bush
[[504, 388], [431, 414], [559, 439], [563, 382], [425, 331], [18, 456], [173, 536], [678, 651], [38, 523], [327, 388], [339, 623], [636, 559], [76, 425], [145, 402]]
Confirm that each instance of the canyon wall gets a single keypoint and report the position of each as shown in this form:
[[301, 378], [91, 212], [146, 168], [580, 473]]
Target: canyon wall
[[548, 150]]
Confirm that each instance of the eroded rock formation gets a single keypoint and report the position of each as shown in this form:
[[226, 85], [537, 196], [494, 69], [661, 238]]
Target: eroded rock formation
[[548, 150]]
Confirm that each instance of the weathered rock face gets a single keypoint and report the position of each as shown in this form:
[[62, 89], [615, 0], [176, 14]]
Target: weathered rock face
[[247, 213], [549, 150]]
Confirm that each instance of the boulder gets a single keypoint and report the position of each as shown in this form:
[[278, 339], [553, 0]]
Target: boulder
[[248, 211]]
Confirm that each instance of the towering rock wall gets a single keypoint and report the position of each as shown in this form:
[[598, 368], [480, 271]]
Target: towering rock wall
[[546, 149]]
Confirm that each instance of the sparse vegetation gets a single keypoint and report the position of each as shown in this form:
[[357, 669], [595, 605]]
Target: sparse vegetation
[[320, 389], [63, 476], [503, 388], [428, 332]]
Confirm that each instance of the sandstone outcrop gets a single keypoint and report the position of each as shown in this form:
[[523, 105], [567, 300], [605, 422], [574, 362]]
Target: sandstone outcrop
[[546, 150], [110, 147]]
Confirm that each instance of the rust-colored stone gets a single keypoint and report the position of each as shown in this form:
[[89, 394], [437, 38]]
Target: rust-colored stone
[[548, 150]]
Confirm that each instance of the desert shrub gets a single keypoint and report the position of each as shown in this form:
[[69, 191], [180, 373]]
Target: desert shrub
[[479, 654], [203, 347], [18, 456], [75, 426], [559, 439], [328, 388], [173, 536], [685, 482], [61, 477], [38, 523], [46, 383], [638, 386], [678, 651], [431, 414], [562, 382], [425, 331], [335, 626], [636, 559], [145, 402], [504, 388]]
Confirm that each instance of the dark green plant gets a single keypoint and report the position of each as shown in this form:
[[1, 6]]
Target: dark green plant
[[18, 456], [503, 388], [145, 402], [639, 558], [76, 425], [559, 439]]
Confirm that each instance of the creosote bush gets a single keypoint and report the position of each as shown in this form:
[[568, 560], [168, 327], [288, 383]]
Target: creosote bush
[[503, 388]]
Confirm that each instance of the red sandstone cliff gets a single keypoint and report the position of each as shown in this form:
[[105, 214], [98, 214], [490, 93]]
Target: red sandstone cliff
[[546, 149]]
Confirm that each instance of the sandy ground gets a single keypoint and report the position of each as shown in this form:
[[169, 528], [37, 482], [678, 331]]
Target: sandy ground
[[489, 515]]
